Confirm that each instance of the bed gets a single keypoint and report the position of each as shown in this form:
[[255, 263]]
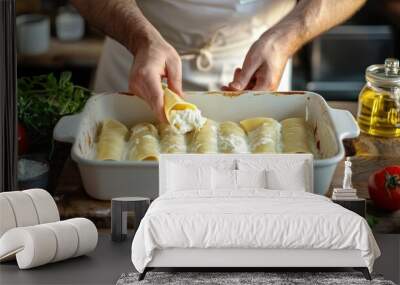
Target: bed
[[247, 211]]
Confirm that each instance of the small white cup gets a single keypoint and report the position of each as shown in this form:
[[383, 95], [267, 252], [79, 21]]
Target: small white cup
[[70, 26], [33, 34]]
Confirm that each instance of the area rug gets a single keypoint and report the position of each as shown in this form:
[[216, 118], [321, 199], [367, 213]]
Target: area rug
[[243, 278]]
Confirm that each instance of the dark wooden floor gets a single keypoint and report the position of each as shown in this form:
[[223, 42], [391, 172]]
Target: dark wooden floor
[[103, 266]]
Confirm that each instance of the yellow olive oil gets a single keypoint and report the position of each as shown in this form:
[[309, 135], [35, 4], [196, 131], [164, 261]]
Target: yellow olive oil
[[379, 100], [378, 113]]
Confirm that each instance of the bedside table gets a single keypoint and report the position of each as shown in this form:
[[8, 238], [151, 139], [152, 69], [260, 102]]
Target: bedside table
[[119, 214], [357, 205]]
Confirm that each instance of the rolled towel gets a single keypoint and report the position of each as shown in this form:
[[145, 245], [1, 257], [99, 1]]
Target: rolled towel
[[26, 208], [41, 244], [67, 240], [87, 235], [46, 208], [33, 246], [7, 218], [23, 208]]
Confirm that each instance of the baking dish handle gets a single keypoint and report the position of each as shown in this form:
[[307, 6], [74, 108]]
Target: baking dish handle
[[345, 125], [66, 128]]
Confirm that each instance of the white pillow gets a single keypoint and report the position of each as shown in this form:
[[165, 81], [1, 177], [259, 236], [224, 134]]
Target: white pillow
[[281, 174], [293, 180], [251, 178], [183, 177], [224, 179]]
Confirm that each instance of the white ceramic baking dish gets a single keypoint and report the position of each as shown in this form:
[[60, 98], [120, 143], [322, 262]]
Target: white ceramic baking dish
[[107, 179]]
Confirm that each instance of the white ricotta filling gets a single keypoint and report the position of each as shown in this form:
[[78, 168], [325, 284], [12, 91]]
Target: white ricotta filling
[[138, 129], [187, 120], [234, 143], [257, 137]]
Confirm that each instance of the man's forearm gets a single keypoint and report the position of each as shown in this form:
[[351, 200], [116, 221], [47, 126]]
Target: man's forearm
[[119, 19], [310, 18]]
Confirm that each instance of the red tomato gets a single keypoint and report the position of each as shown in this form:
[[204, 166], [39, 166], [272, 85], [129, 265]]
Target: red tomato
[[384, 188], [22, 141]]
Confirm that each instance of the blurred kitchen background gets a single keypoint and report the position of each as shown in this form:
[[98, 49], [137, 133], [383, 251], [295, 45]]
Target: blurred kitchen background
[[65, 50], [332, 65]]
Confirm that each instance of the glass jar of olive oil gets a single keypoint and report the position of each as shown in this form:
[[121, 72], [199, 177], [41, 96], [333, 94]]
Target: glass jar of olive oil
[[379, 100]]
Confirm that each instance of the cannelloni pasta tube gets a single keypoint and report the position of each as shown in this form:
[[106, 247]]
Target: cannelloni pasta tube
[[111, 141], [143, 142], [182, 115], [171, 141], [295, 136], [263, 134], [205, 139], [231, 138], [254, 135]]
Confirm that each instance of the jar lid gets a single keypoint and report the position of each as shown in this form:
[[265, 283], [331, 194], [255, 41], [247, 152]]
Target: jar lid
[[387, 74]]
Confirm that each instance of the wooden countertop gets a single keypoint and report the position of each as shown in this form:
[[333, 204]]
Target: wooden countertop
[[367, 153], [85, 52]]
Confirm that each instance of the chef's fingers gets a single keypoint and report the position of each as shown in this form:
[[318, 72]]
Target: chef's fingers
[[174, 75], [262, 79], [235, 75], [251, 84], [226, 88], [266, 79], [250, 65], [154, 95]]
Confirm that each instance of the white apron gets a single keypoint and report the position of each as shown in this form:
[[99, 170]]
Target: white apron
[[212, 37]]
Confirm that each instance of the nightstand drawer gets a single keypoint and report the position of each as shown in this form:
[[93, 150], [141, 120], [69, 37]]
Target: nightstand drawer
[[357, 206]]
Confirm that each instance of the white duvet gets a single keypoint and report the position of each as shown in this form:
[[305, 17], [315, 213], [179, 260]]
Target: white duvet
[[250, 219]]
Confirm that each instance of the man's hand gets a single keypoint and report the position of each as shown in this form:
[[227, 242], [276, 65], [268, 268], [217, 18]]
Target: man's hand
[[153, 61], [154, 58], [263, 66], [265, 62]]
